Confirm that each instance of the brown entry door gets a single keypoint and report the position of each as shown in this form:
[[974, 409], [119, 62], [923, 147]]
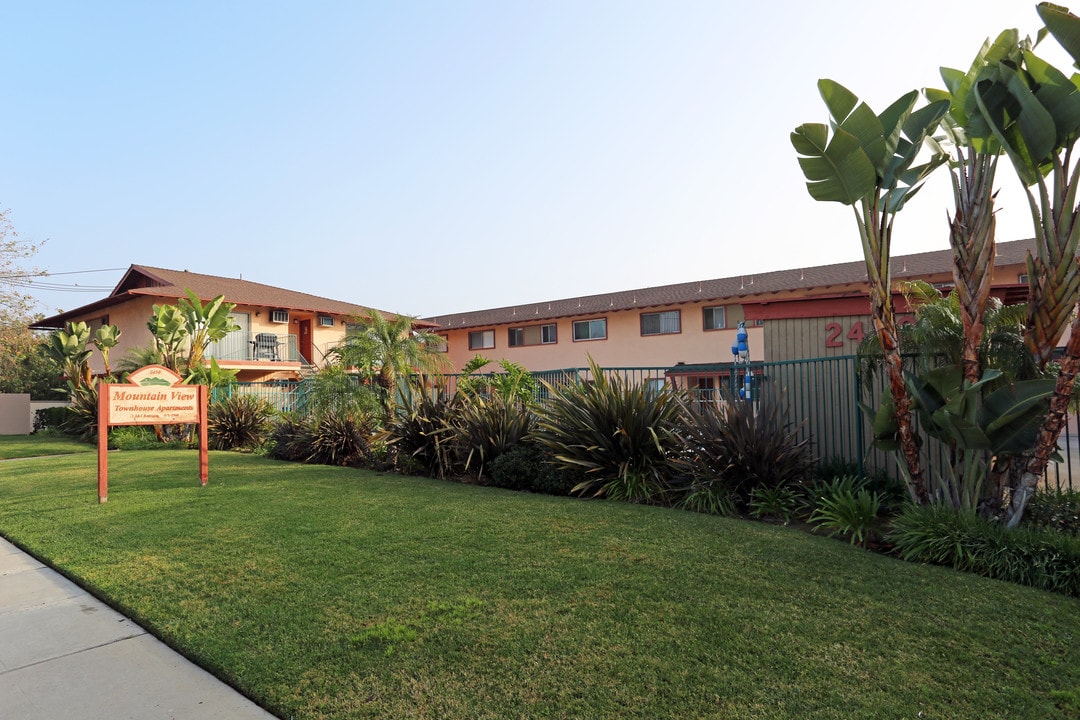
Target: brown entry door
[[305, 341]]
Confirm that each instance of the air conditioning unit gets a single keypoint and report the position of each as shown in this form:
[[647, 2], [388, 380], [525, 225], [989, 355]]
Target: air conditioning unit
[[279, 316], [326, 321]]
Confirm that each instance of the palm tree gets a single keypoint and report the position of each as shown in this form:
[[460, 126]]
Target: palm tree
[[972, 224], [869, 164], [386, 349], [1031, 108]]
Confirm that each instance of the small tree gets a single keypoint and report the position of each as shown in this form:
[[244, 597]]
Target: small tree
[[514, 383], [14, 253], [385, 350], [25, 363], [867, 161], [1033, 111], [184, 331]]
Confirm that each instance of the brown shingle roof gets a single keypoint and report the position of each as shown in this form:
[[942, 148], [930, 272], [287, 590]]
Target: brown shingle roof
[[741, 287], [171, 285]]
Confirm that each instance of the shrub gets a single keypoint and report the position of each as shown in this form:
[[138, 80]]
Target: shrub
[[335, 390], [940, 535], [140, 437], [291, 439], [532, 468], [1054, 510], [51, 418], [846, 506], [704, 495], [742, 446], [341, 439], [781, 503], [80, 419], [240, 422], [421, 436], [485, 428], [619, 434]]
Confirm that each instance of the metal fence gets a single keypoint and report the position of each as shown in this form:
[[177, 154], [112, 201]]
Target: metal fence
[[820, 395], [256, 346]]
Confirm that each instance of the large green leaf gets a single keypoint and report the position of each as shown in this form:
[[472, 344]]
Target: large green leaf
[[1058, 94], [964, 109], [836, 170], [1012, 402], [1025, 129], [965, 432], [838, 99], [892, 122], [1063, 25]]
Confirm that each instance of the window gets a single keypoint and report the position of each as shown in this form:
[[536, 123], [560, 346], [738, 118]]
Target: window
[[481, 339], [532, 335], [279, 316], [715, 318], [654, 386], [661, 323], [326, 321], [442, 344], [590, 329]]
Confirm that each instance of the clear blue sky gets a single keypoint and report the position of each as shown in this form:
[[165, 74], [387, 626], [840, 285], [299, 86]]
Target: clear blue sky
[[434, 157]]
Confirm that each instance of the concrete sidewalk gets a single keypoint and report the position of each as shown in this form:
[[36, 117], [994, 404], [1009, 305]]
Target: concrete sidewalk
[[64, 654]]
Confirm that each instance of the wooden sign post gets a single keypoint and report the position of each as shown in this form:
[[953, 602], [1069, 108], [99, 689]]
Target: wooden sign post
[[153, 395]]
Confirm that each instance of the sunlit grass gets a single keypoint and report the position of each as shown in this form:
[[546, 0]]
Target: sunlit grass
[[334, 593], [23, 446]]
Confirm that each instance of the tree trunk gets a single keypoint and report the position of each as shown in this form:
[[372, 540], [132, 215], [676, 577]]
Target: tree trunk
[[971, 235], [876, 232], [894, 367]]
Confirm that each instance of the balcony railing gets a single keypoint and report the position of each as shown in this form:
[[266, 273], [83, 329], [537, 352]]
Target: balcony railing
[[251, 347]]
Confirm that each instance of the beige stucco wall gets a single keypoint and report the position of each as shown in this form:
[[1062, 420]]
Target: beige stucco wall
[[624, 347], [132, 317], [15, 415]]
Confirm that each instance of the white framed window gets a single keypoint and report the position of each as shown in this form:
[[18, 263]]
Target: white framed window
[[661, 323], [714, 318], [326, 321], [481, 339], [440, 345], [532, 335], [590, 329]]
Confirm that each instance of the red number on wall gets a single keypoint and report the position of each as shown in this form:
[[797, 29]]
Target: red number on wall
[[856, 332], [832, 339]]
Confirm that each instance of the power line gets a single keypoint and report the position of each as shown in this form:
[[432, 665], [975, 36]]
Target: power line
[[32, 274], [33, 281]]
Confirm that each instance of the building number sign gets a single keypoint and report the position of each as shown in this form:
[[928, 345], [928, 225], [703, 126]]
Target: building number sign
[[836, 333]]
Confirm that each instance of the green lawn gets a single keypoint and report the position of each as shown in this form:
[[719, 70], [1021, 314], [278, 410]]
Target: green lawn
[[334, 593], [22, 446]]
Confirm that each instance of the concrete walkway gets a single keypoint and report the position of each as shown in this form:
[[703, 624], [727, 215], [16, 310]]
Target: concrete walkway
[[65, 654]]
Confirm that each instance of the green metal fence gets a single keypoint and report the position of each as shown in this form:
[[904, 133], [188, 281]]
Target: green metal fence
[[283, 395], [821, 396]]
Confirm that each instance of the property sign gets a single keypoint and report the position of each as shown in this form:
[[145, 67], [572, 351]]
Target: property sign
[[153, 395]]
